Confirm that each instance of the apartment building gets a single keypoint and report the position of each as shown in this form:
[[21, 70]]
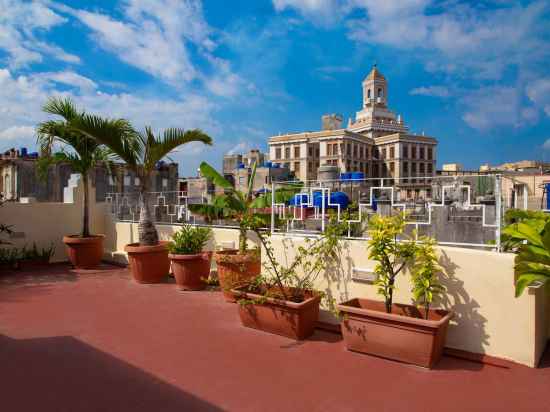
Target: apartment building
[[378, 144]]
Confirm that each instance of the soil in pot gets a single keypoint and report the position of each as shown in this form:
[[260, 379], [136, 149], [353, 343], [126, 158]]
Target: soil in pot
[[293, 319], [84, 252], [191, 271], [236, 270], [148, 264], [403, 335]]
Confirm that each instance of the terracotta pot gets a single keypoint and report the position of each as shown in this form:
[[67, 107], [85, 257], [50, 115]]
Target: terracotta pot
[[235, 270], [191, 270], [281, 317], [84, 252], [148, 264], [402, 335]]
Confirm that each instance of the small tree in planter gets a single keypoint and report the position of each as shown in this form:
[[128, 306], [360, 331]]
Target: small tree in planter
[[392, 330], [237, 267], [141, 151], [82, 152], [190, 265], [283, 300]]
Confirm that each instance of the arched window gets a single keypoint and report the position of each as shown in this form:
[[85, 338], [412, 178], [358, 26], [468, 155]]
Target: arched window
[[368, 93], [380, 92]]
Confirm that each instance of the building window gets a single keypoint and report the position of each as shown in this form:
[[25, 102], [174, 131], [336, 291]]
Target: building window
[[421, 167], [380, 92], [348, 149], [405, 168], [392, 152], [355, 150], [421, 152], [367, 152], [405, 152], [297, 152], [335, 149], [287, 152], [296, 166], [384, 152], [413, 169], [310, 150], [329, 149], [361, 152], [309, 167], [413, 152], [368, 93], [430, 169], [278, 153], [317, 152], [392, 168], [430, 153]]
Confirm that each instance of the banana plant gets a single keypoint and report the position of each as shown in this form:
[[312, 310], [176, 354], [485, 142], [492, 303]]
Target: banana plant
[[238, 205], [532, 263]]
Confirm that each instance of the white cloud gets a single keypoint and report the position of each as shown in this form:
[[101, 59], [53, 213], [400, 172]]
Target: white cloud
[[69, 78], [546, 145], [20, 24], [19, 133], [496, 107], [538, 92], [325, 12], [436, 91], [23, 97]]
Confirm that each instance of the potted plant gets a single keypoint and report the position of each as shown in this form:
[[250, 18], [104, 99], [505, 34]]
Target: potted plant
[[32, 258], [397, 331], [190, 265], [141, 151], [284, 300], [82, 153], [9, 257], [529, 238], [235, 267]]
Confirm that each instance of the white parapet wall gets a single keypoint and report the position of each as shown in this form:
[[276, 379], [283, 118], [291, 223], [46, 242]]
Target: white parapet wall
[[488, 319]]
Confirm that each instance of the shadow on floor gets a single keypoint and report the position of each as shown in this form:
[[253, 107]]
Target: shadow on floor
[[64, 374]]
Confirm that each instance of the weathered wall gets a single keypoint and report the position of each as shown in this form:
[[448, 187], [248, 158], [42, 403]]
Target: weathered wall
[[488, 318]]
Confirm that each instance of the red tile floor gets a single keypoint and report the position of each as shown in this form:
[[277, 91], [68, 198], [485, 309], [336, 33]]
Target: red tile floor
[[96, 341]]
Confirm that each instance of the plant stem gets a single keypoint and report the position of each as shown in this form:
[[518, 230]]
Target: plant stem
[[269, 253]]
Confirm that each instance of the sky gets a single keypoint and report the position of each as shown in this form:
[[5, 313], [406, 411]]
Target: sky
[[475, 75]]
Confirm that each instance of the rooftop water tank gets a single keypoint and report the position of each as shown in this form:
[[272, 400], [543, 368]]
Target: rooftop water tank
[[241, 166], [357, 175], [23, 152], [268, 164], [336, 198], [345, 176]]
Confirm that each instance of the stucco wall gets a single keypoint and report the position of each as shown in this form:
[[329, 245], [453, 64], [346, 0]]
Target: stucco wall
[[488, 318], [48, 222]]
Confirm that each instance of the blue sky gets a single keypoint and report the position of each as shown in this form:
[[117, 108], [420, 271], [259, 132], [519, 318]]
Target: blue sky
[[475, 75]]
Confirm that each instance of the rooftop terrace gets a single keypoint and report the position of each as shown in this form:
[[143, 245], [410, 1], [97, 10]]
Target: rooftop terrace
[[97, 341]]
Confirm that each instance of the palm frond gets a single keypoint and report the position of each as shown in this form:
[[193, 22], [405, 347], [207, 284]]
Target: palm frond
[[63, 107], [210, 173]]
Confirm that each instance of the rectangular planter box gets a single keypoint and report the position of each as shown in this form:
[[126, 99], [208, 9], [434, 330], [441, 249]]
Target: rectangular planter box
[[293, 320], [402, 335]]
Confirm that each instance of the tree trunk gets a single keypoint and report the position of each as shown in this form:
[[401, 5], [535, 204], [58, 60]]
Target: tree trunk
[[389, 301], [86, 206], [148, 235], [242, 240]]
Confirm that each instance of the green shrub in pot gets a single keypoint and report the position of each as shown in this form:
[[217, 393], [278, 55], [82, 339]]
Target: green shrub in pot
[[190, 265]]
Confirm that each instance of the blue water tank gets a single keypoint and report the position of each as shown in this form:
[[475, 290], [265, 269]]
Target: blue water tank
[[339, 198], [276, 165], [299, 199], [547, 195], [268, 164], [241, 166], [34, 154], [357, 176], [23, 152], [345, 176]]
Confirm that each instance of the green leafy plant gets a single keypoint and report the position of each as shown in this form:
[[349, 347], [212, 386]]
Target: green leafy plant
[[9, 256], [240, 206], [34, 253], [293, 280], [531, 238], [189, 240], [141, 151], [392, 250], [511, 216], [425, 274], [78, 149]]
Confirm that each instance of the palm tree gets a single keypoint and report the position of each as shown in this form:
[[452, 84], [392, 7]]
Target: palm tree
[[79, 150], [141, 151]]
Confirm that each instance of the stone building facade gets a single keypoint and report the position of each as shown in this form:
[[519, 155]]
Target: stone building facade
[[377, 143], [19, 178]]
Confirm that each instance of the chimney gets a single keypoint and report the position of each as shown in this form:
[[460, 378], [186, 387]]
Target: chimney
[[332, 121]]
